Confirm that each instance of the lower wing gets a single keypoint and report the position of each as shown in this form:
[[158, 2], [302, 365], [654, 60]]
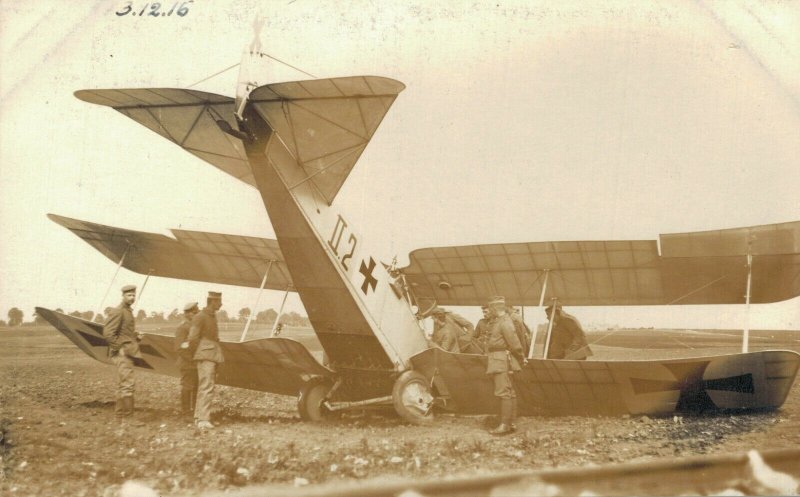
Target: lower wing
[[275, 365]]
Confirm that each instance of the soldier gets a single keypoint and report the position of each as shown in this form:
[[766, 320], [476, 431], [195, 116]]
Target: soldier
[[567, 339], [482, 328], [465, 330], [204, 340], [504, 357], [185, 360], [522, 330], [445, 331], [123, 346]]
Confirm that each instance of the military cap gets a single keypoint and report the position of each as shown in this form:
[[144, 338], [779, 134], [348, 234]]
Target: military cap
[[498, 299], [128, 288], [550, 307], [215, 295], [189, 306]]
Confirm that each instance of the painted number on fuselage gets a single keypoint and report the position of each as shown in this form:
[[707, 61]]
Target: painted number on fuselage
[[336, 238]]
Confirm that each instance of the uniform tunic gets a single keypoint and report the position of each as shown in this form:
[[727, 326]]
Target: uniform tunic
[[446, 336], [567, 340], [185, 361], [119, 331], [503, 350], [204, 339]]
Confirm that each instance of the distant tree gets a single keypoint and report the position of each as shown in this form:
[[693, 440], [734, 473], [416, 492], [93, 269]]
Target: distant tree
[[107, 311], [156, 317], [174, 316], [244, 313], [75, 314], [99, 318], [267, 316], [141, 316], [3, 323], [15, 317], [58, 309], [37, 319], [88, 315], [222, 316]]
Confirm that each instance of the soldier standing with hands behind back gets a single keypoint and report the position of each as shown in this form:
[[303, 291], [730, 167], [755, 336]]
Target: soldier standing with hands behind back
[[204, 340], [119, 331], [186, 364], [505, 356]]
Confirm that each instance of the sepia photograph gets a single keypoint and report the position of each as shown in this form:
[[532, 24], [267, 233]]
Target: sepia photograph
[[407, 249]]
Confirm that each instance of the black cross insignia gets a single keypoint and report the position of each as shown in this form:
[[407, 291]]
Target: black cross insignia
[[369, 280], [693, 388]]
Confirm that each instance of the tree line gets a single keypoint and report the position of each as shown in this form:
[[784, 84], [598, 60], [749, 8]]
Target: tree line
[[17, 318]]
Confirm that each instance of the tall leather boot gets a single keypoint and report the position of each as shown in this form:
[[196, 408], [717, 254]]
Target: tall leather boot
[[186, 402], [513, 416], [505, 419]]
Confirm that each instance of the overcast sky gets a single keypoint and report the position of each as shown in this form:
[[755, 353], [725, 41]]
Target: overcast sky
[[521, 121]]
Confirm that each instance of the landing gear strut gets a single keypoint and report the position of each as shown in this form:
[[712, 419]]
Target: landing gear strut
[[310, 404]]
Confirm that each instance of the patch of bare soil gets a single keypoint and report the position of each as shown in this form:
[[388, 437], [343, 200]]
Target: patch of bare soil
[[60, 436]]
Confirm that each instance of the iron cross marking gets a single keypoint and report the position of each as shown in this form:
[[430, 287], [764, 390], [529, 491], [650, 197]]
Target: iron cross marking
[[369, 280], [689, 381]]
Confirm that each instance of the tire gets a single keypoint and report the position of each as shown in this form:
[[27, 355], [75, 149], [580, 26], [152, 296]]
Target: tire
[[309, 404], [412, 398]]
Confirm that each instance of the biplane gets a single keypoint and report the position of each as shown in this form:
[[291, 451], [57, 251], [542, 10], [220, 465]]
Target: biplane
[[296, 143]]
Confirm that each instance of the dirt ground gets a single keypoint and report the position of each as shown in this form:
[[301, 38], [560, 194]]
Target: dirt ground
[[60, 436]]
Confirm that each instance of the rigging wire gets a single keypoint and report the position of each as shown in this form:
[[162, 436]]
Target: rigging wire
[[260, 54]]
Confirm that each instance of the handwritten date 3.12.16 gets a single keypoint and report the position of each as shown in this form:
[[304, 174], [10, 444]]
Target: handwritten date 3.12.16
[[154, 9]]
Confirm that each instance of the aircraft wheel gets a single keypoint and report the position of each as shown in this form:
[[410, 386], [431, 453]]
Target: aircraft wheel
[[310, 402], [412, 398]]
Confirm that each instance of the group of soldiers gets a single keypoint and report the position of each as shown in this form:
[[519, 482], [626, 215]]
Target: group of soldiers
[[505, 339], [501, 335], [196, 344]]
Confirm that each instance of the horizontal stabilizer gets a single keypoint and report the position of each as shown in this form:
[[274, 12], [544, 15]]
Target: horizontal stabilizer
[[276, 365], [708, 267], [191, 255], [326, 124], [188, 118]]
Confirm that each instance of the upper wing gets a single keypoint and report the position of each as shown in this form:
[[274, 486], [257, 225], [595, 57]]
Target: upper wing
[[191, 255], [325, 123], [185, 117], [708, 267], [276, 365]]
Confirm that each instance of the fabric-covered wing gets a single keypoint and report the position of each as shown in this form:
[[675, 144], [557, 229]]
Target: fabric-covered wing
[[185, 117], [327, 123], [275, 365], [191, 255], [707, 267]]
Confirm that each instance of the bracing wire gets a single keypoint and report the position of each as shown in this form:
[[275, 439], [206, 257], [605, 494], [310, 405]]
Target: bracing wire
[[260, 54]]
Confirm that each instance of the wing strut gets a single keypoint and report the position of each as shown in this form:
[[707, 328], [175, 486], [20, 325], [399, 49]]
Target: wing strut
[[541, 305], [272, 332], [141, 292], [746, 334], [255, 307], [550, 328], [111, 283]]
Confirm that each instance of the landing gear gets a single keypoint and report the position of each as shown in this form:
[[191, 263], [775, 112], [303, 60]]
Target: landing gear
[[412, 398], [310, 404]]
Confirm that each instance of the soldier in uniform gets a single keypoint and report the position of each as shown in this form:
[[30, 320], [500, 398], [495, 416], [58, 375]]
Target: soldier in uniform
[[522, 330], [185, 360], [465, 330], [504, 357], [567, 339], [204, 340], [119, 331], [482, 328], [445, 331]]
